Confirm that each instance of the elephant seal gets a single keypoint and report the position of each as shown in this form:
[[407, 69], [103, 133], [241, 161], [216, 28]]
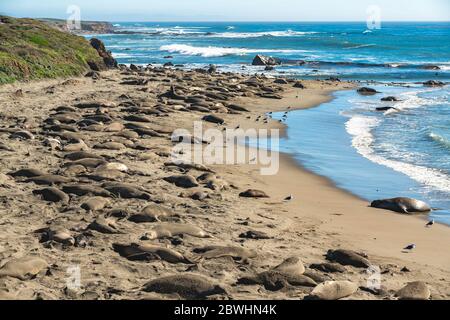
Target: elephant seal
[[215, 252], [189, 286], [52, 195], [333, 290], [275, 280], [137, 252], [167, 230], [401, 205], [23, 268], [152, 213]]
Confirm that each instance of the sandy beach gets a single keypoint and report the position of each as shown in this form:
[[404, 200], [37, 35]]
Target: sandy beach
[[126, 117]]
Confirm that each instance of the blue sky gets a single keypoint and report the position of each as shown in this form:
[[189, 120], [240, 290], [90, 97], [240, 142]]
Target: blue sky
[[231, 10]]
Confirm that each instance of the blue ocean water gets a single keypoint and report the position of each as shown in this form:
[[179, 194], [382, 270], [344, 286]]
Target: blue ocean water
[[400, 152]]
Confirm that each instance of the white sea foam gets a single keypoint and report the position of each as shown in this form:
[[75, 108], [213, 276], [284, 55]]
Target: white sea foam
[[286, 33], [217, 51], [360, 127], [361, 46]]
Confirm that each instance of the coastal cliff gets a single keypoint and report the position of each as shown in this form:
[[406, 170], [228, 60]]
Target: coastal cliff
[[31, 49], [87, 27]]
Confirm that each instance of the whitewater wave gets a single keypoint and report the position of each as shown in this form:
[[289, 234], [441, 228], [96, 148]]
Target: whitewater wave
[[361, 46], [208, 52], [286, 33], [360, 127], [440, 139]]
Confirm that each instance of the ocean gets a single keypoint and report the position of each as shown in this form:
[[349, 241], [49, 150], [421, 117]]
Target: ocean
[[403, 151]]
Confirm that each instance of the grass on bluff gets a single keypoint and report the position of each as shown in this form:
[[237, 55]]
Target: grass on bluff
[[30, 49]]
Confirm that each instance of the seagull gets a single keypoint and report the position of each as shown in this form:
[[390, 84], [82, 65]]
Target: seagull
[[430, 224], [410, 247], [289, 198]]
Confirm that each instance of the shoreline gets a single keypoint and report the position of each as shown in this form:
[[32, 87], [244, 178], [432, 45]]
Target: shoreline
[[321, 216]]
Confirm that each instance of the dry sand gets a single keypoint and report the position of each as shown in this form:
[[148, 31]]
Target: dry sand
[[321, 217]]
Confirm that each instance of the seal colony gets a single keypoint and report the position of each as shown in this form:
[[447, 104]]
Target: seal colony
[[87, 183]]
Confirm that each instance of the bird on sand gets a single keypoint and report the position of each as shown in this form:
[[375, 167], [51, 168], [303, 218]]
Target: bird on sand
[[410, 247], [289, 198], [430, 224]]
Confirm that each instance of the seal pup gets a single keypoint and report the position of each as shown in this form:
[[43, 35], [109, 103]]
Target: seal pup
[[401, 205]]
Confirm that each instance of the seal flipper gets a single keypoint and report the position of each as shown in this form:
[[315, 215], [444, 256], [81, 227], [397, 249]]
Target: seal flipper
[[403, 208]]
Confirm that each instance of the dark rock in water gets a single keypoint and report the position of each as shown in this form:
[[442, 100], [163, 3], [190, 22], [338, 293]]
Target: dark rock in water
[[433, 83], [348, 258], [52, 195], [389, 99], [417, 290], [251, 193], [182, 181], [213, 119], [367, 91], [188, 286], [261, 60], [108, 59], [168, 64], [168, 57], [256, 235], [333, 79], [299, 85], [431, 67], [385, 108], [269, 68]]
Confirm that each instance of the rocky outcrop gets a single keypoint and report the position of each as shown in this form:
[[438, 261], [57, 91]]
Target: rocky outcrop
[[106, 55], [261, 60]]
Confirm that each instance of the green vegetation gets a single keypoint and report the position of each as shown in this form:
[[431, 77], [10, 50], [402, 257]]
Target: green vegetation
[[30, 49]]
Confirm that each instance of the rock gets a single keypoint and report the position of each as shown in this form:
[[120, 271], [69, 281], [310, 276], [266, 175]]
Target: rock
[[152, 213], [416, 290], [389, 99], [137, 252], [256, 235], [333, 290], [367, 91], [431, 67], [348, 258], [185, 181], [299, 85], [24, 268], [188, 286], [108, 59], [213, 119], [52, 195], [261, 60], [328, 267], [95, 204], [252, 193], [434, 83]]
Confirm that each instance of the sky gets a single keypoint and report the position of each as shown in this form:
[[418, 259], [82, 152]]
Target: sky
[[231, 10]]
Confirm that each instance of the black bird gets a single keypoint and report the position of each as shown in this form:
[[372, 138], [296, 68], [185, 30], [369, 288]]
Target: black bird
[[289, 198], [410, 247], [430, 224]]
